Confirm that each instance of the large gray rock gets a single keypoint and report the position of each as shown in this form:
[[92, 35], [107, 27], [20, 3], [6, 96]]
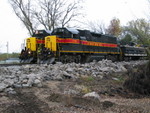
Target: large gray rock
[[3, 86], [9, 82], [10, 91], [93, 95], [37, 83]]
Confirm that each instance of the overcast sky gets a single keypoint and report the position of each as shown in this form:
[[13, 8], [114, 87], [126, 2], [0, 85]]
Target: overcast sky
[[13, 32]]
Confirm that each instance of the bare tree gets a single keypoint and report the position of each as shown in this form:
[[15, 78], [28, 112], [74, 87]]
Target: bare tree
[[46, 13], [57, 13], [23, 11], [96, 26]]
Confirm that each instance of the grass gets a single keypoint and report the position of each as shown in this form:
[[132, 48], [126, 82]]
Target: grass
[[86, 90], [3, 56], [87, 78]]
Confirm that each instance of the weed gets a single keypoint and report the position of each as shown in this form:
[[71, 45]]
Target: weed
[[87, 78]]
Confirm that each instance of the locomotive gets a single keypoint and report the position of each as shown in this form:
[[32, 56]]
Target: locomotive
[[73, 45], [29, 53]]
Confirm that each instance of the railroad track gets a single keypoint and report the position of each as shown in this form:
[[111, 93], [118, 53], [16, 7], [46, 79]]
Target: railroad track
[[13, 64]]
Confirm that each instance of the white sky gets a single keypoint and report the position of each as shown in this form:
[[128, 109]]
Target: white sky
[[13, 32]]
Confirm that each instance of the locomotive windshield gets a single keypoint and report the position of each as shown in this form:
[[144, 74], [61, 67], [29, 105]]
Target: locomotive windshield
[[41, 34]]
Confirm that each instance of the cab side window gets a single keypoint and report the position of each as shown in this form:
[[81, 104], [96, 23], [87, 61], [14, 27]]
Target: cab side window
[[67, 34]]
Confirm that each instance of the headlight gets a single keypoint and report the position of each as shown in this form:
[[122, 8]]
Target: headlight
[[29, 52]]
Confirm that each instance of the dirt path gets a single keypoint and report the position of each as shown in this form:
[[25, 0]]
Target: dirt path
[[67, 97], [26, 103]]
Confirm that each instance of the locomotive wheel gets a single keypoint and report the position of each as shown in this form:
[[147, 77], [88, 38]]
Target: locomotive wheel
[[78, 59], [126, 59], [113, 58], [83, 59], [62, 59], [70, 59]]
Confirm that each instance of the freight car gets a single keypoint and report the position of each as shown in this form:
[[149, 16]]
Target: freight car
[[132, 52], [73, 45]]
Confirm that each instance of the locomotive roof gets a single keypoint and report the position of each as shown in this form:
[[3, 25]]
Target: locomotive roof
[[48, 31], [98, 34], [42, 31], [77, 31], [72, 30]]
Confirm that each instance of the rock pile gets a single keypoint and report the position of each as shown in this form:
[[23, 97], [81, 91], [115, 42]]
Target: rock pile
[[34, 75]]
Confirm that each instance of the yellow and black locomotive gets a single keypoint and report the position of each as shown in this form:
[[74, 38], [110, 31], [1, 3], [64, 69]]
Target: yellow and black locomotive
[[34, 46], [73, 45]]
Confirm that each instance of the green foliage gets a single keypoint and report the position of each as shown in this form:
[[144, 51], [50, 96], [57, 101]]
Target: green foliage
[[87, 78], [127, 39], [120, 78], [139, 29], [10, 55]]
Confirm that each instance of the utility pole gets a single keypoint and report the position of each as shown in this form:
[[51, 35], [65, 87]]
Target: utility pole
[[7, 49]]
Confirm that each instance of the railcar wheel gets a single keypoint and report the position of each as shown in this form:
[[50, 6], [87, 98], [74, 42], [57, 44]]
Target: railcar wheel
[[63, 59]]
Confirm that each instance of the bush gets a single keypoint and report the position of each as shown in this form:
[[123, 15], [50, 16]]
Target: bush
[[139, 82]]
